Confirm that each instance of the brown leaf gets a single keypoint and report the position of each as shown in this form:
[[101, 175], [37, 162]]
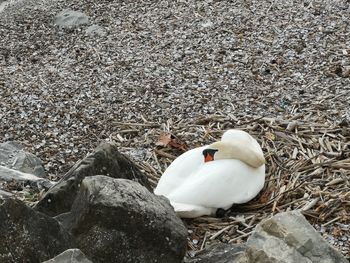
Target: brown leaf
[[265, 196], [163, 140], [166, 140], [180, 146]]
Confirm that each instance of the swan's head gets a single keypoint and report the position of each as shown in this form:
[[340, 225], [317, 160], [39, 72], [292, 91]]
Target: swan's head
[[239, 150], [236, 135]]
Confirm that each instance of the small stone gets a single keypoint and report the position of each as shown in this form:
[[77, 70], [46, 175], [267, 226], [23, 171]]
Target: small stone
[[96, 30], [71, 19]]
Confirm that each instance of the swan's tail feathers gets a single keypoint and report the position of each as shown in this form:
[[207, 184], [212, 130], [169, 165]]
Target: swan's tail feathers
[[191, 211]]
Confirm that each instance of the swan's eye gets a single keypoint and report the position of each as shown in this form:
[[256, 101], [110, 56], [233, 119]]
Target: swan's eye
[[209, 155]]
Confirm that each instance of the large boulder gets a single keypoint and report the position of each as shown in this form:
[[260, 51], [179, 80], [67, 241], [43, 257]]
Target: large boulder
[[118, 220], [105, 160], [29, 236], [287, 238], [72, 255], [14, 157]]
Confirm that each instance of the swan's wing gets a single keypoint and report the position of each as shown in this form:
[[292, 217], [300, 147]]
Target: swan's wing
[[179, 170], [219, 184], [191, 211]]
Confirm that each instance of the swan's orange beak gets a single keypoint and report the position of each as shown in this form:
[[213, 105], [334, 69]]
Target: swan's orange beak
[[209, 155], [208, 158]]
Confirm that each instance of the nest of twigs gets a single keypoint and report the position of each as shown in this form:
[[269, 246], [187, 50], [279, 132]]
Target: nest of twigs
[[308, 167]]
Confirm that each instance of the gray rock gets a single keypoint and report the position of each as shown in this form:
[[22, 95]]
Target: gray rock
[[284, 238], [14, 157], [73, 255], [287, 238], [5, 194], [3, 4], [38, 183], [29, 236], [222, 253], [118, 220], [105, 160], [70, 19], [95, 30]]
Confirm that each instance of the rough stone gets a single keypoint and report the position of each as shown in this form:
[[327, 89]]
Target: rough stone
[[29, 236], [222, 253], [105, 160], [287, 238], [14, 157], [10, 175], [5, 194], [96, 30], [70, 256], [284, 238], [118, 220], [70, 19]]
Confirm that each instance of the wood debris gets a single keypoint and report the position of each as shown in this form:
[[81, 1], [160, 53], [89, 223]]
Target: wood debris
[[300, 175], [190, 69]]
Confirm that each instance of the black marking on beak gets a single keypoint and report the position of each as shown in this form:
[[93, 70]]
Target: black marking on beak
[[209, 154]]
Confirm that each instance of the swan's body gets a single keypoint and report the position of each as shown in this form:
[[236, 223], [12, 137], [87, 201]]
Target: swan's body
[[236, 175]]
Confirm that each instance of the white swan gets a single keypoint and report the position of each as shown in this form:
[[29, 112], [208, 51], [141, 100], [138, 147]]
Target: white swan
[[231, 171]]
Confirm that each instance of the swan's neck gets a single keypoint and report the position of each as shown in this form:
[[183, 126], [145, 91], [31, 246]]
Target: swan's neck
[[242, 151]]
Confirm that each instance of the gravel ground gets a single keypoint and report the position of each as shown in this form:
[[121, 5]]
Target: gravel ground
[[164, 63]]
